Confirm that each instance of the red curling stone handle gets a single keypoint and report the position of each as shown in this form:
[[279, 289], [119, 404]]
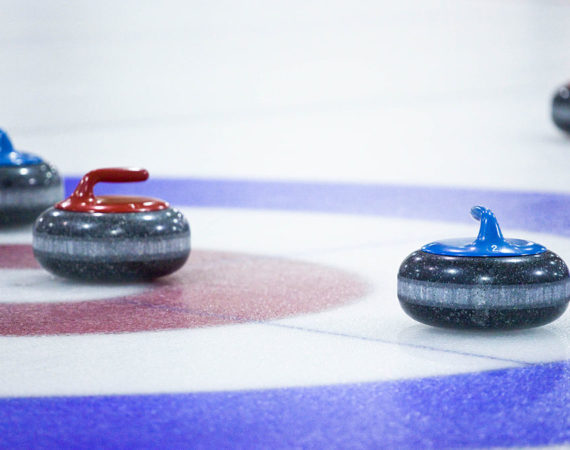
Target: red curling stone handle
[[84, 189], [84, 200]]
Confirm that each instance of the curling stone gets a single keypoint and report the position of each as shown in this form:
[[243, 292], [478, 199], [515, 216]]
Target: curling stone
[[561, 108], [111, 238], [28, 185], [489, 282]]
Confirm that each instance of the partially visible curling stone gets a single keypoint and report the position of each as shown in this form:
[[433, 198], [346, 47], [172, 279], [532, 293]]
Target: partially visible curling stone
[[111, 238], [490, 282], [561, 108], [28, 185]]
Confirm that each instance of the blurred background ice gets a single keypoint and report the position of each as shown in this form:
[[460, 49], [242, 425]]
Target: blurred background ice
[[440, 92]]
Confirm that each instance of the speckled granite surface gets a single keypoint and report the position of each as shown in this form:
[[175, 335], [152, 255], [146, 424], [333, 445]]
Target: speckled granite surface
[[26, 191], [561, 108], [113, 247], [502, 292]]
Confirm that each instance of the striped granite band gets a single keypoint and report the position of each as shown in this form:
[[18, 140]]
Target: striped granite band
[[112, 249], [483, 296], [30, 197]]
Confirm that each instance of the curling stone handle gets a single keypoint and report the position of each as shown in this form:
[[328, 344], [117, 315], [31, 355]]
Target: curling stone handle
[[109, 175], [5, 143], [489, 242], [489, 232]]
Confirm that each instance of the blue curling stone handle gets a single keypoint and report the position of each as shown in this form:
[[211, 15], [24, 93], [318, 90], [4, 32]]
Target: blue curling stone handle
[[489, 242], [13, 158]]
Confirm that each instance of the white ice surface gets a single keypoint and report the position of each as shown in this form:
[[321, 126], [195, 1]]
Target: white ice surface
[[38, 286], [452, 93], [449, 92]]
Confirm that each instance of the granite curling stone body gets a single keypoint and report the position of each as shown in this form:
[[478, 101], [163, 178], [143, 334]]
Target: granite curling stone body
[[111, 238], [561, 108], [490, 282], [28, 185]]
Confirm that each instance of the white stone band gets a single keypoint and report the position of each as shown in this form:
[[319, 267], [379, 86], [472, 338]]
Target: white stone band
[[111, 249], [30, 197], [512, 296]]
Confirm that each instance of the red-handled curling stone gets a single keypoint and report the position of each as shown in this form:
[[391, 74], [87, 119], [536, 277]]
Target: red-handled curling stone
[[111, 238]]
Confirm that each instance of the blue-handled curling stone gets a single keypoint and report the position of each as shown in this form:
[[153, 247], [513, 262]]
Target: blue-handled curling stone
[[487, 282], [28, 185]]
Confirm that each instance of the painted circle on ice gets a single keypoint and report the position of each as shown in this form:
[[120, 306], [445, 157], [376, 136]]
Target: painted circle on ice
[[516, 406], [213, 288]]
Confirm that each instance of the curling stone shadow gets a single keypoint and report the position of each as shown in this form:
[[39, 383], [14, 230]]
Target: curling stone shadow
[[534, 345], [65, 283]]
